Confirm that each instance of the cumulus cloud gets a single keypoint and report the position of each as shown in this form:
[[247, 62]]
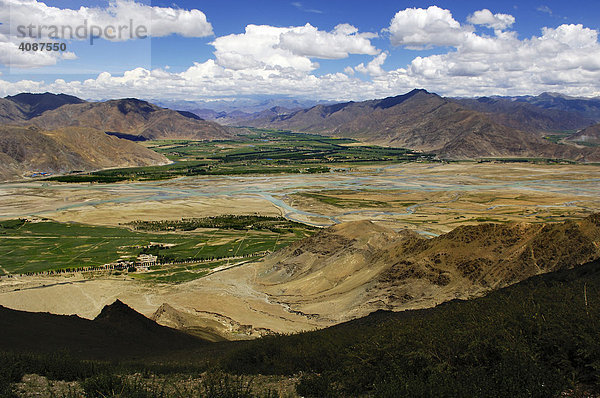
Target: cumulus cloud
[[114, 22], [495, 21], [264, 46], [373, 68], [269, 60], [342, 41], [32, 20], [566, 58], [11, 55], [418, 28]]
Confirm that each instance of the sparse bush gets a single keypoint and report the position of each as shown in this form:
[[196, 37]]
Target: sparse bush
[[221, 385], [110, 385]]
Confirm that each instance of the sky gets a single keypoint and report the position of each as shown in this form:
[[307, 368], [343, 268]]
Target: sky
[[329, 50]]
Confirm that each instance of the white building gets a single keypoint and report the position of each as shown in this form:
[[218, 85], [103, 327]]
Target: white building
[[146, 261]]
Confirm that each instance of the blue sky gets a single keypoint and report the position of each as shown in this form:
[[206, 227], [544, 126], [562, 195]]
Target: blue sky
[[349, 49]]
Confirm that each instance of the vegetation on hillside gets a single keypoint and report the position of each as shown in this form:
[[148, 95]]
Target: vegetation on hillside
[[538, 338]]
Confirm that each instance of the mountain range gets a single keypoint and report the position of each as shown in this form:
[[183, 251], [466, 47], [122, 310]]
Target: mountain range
[[526, 116], [587, 107], [58, 133], [426, 122], [127, 116]]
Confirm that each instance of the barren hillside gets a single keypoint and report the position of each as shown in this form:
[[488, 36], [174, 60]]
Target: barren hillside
[[28, 150], [352, 269]]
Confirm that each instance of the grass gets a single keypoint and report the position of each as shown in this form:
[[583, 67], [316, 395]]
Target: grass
[[29, 247], [261, 152]]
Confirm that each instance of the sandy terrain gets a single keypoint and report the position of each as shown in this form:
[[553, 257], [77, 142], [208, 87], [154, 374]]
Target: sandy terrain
[[120, 213], [432, 198], [227, 297], [429, 198]]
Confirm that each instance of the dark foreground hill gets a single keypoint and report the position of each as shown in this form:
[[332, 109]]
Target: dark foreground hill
[[117, 332]]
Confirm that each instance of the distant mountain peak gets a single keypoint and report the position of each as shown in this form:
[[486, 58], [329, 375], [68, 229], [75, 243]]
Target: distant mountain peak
[[398, 99], [32, 105], [127, 105], [32, 98]]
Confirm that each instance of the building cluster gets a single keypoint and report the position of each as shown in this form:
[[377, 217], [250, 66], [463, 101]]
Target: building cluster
[[145, 261]]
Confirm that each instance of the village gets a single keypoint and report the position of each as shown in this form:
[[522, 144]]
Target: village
[[143, 263]]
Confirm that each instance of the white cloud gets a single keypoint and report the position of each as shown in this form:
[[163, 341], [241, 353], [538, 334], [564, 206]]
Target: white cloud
[[566, 58], [418, 28], [495, 21], [11, 55], [121, 15], [373, 68], [342, 41], [573, 36], [32, 20], [266, 60], [258, 47], [264, 46]]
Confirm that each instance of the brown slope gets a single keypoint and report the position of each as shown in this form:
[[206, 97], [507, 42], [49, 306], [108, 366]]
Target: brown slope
[[355, 268], [25, 150], [590, 135], [524, 116], [205, 329], [327, 118], [587, 107], [132, 116], [10, 112], [423, 121]]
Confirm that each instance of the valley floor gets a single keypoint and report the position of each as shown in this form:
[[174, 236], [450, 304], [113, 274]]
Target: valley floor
[[430, 199]]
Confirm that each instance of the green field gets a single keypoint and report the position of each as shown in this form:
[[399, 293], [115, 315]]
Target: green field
[[261, 152], [29, 247]]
